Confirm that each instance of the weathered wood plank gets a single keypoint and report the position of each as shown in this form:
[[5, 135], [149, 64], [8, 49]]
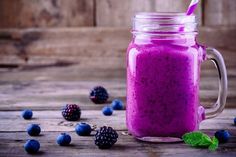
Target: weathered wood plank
[[119, 13], [88, 46], [46, 13], [107, 66], [53, 96], [224, 37], [12, 145], [53, 121], [84, 46], [52, 124], [42, 95], [220, 12], [18, 85]]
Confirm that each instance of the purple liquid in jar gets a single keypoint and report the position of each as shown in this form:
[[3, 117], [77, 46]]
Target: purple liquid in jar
[[163, 86]]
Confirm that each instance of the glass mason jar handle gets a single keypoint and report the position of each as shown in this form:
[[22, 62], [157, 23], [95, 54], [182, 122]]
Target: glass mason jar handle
[[215, 56]]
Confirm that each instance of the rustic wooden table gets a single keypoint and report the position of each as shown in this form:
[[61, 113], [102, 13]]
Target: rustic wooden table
[[46, 89]]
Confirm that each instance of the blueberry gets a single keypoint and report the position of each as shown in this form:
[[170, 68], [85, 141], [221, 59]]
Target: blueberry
[[222, 135], [27, 114], [32, 146], [33, 130], [107, 111], [235, 121], [117, 104], [63, 139], [83, 129]]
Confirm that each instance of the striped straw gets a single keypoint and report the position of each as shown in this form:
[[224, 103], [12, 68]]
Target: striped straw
[[192, 7], [190, 10]]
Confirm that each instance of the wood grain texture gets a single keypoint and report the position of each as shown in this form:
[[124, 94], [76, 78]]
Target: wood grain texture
[[12, 146], [46, 13], [87, 46], [51, 88], [119, 13], [219, 37], [52, 124], [220, 13], [49, 95], [51, 121], [84, 46], [81, 55]]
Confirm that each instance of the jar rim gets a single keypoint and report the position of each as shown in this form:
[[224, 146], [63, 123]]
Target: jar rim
[[165, 17], [159, 14], [170, 22]]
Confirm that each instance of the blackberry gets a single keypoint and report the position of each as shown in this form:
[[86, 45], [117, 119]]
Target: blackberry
[[71, 112], [99, 95], [105, 137]]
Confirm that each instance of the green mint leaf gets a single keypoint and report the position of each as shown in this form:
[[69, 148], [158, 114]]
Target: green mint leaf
[[205, 141], [197, 139], [214, 144], [192, 138]]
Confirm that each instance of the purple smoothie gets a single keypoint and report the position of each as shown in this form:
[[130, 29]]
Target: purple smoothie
[[162, 87]]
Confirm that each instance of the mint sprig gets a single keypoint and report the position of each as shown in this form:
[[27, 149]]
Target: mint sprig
[[199, 139], [214, 144]]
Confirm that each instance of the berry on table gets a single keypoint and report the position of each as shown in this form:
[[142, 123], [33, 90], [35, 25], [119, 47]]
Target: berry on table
[[33, 129], [99, 95], [235, 121], [222, 135], [32, 146], [83, 129], [71, 112], [27, 114], [117, 104], [105, 137], [63, 139], [107, 111]]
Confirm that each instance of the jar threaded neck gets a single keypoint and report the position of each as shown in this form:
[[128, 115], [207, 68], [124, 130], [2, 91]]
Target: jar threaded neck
[[164, 23]]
